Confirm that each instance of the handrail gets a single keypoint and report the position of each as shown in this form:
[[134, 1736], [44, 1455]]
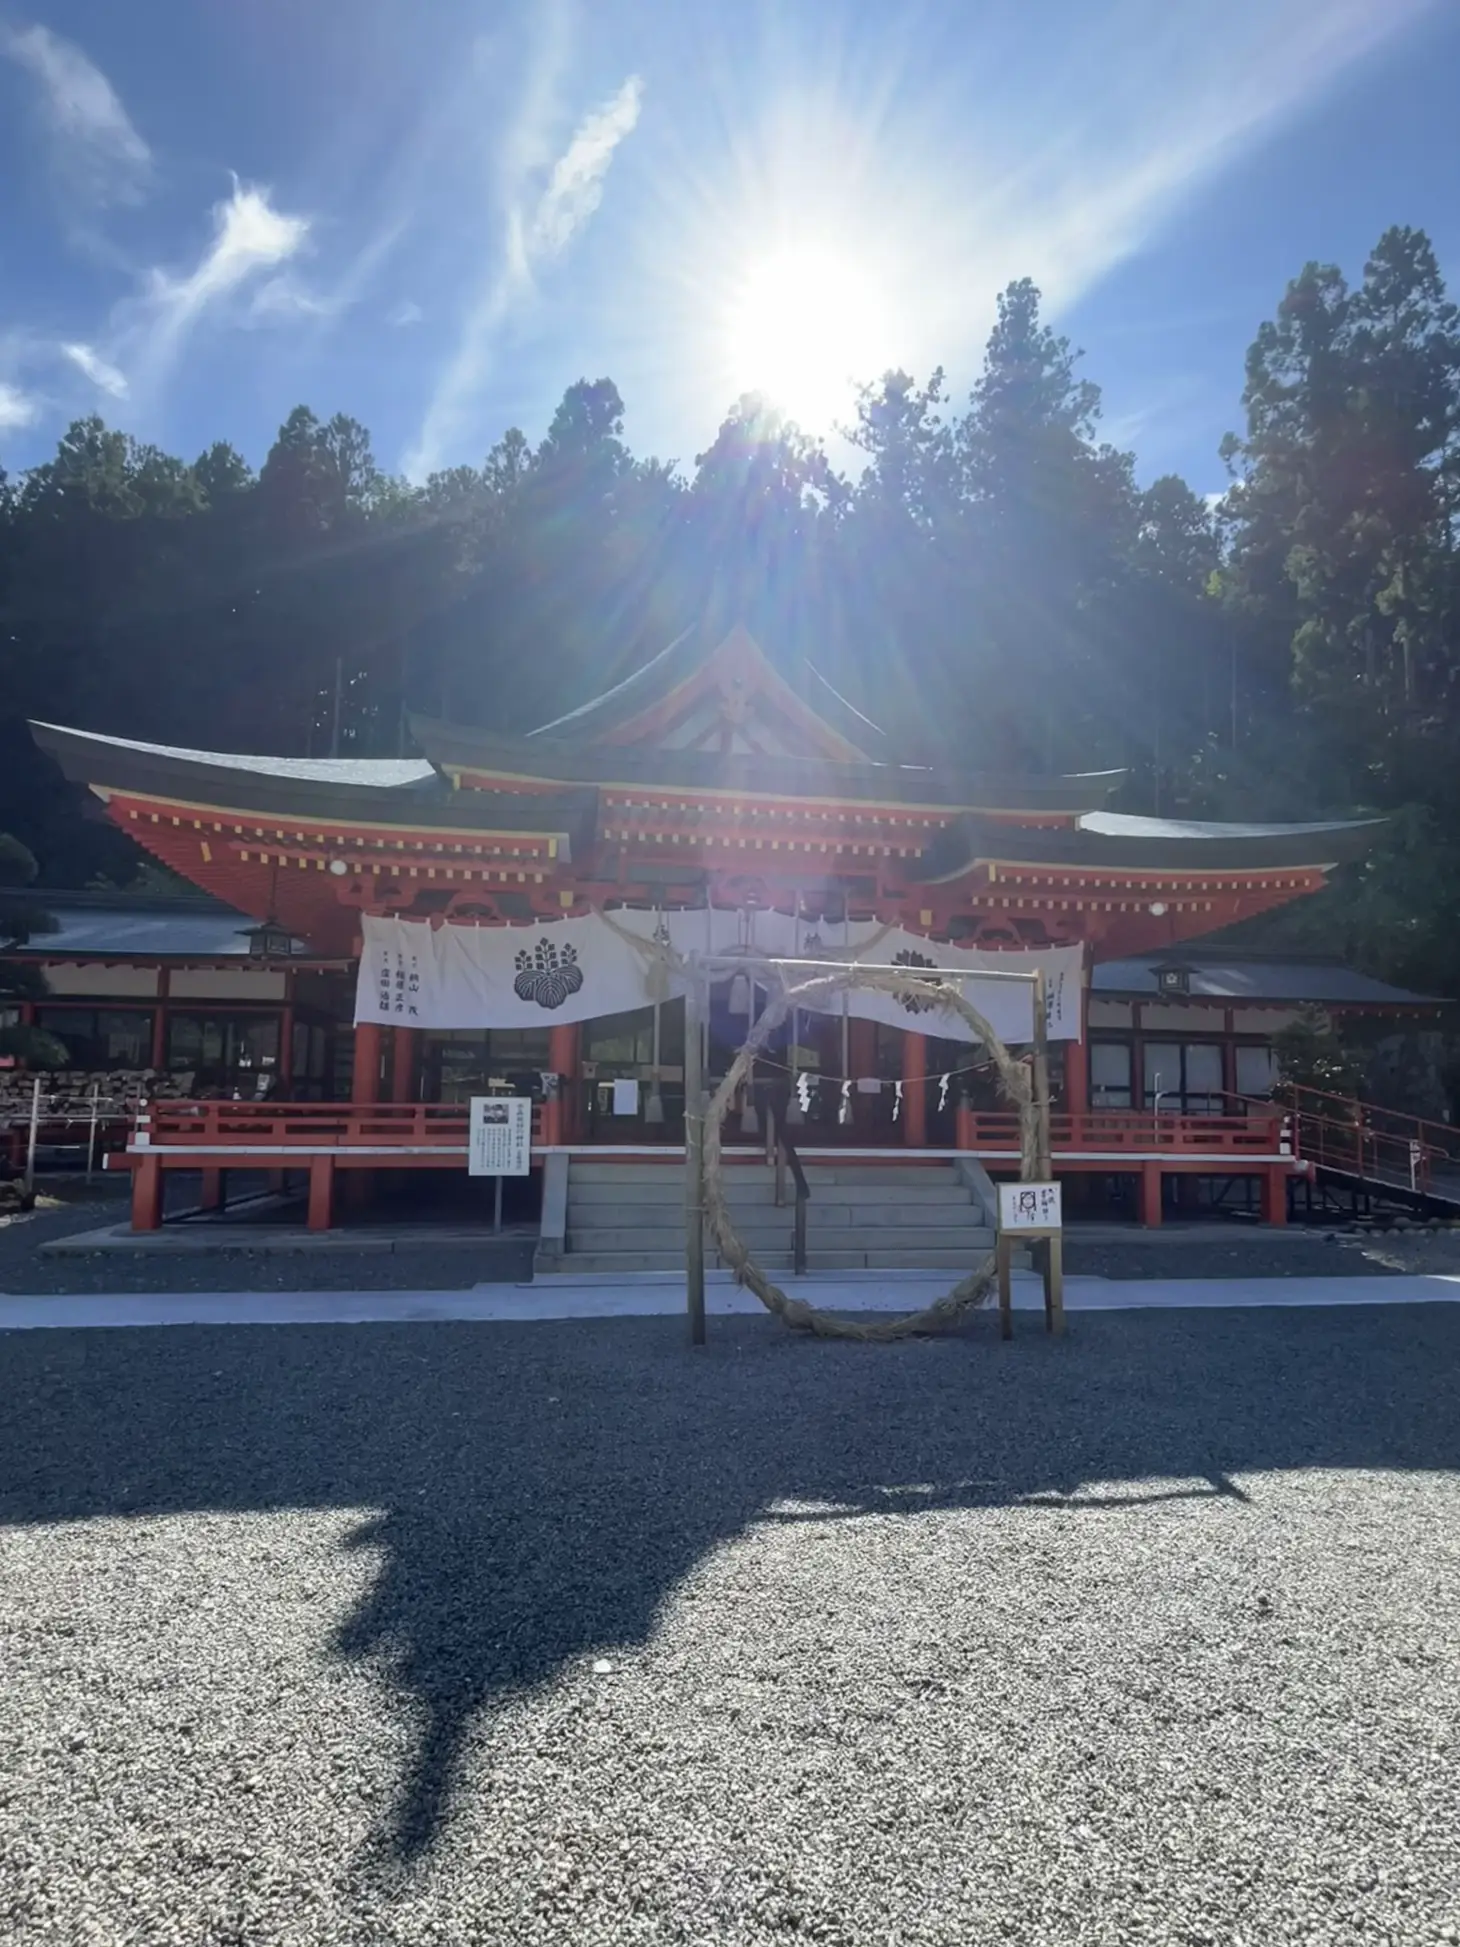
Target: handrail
[[787, 1148], [1442, 1137], [1355, 1144], [784, 1149]]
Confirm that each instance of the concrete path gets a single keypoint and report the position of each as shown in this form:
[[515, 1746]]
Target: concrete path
[[664, 1295]]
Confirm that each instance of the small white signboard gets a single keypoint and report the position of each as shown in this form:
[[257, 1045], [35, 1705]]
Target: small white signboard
[[500, 1141], [625, 1096], [1030, 1206]]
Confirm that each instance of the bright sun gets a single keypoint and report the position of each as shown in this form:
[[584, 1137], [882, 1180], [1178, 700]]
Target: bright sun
[[806, 328]]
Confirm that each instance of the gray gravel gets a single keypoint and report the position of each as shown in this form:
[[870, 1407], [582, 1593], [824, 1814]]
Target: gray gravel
[[563, 1633]]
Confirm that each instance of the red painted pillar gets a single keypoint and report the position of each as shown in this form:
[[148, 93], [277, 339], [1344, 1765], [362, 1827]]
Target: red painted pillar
[[147, 1194], [403, 1065], [964, 1133], [1150, 1211], [321, 1192], [915, 1090], [1077, 1076], [560, 1118], [1275, 1195], [366, 1086]]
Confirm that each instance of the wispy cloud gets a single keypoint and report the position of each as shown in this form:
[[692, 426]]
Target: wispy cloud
[[95, 148], [249, 237], [1175, 99], [407, 312], [944, 162], [575, 187], [539, 226], [102, 373], [17, 408], [282, 300]]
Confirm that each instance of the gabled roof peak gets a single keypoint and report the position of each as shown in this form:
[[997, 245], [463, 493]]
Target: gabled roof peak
[[727, 698]]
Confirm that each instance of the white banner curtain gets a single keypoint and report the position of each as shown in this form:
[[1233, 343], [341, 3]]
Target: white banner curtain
[[416, 975]]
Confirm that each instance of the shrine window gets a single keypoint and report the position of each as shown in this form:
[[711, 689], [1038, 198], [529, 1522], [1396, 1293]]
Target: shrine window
[[100, 1037], [225, 1053], [1110, 1074]]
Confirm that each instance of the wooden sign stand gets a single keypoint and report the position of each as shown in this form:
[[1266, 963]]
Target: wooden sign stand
[[1047, 1240], [1049, 1255]]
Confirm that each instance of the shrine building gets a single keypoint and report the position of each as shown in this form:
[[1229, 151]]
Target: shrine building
[[493, 904]]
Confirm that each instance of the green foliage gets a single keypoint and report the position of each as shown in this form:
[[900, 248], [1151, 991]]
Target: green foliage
[[1311, 1054], [20, 981]]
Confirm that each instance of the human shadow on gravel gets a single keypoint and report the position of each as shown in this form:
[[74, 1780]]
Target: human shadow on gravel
[[536, 1493]]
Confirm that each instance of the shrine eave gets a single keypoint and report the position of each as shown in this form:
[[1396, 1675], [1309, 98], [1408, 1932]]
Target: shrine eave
[[533, 762], [349, 792], [1124, 843]]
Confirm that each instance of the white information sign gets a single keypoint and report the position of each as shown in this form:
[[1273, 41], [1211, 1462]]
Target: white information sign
[[625, 1096], [500, 1142], [1030, 1206]]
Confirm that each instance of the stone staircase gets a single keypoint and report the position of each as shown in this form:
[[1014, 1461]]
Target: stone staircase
[[629, 1216]]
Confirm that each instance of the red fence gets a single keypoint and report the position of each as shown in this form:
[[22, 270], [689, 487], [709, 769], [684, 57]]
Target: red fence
[[416, 1126], [1102, 1132], [324, 1137], [408, 1126]]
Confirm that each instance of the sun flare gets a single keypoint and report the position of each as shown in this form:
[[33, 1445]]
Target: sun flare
[[805, 329]]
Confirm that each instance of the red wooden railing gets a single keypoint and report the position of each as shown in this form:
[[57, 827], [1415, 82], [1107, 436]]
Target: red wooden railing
[[311, 1125], [1102, 1131], [443, 1125]]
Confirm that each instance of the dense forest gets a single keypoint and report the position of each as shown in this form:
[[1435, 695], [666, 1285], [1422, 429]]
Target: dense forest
[[989, 582]]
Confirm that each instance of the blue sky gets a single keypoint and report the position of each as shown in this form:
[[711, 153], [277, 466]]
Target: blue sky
[[436, 216]]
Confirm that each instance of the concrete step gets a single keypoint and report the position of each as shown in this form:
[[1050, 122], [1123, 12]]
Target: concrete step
[[671, 1194], [888, 1245], [863, 1175], [626, 1263], [819, 1215]]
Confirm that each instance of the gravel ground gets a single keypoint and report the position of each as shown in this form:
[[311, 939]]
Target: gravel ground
[[564, 1633], [1237, 1253]]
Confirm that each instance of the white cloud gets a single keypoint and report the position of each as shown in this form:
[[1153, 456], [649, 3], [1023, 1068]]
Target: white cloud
[[96, 149], [575, 187], [17, 408], [536, 231], [99, 370], [249, 237], [407, 312]]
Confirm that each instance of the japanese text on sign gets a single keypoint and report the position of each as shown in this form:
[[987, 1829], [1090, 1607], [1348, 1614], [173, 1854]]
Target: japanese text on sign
[[500, 1138], [398, 983], [1029, 1206]]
